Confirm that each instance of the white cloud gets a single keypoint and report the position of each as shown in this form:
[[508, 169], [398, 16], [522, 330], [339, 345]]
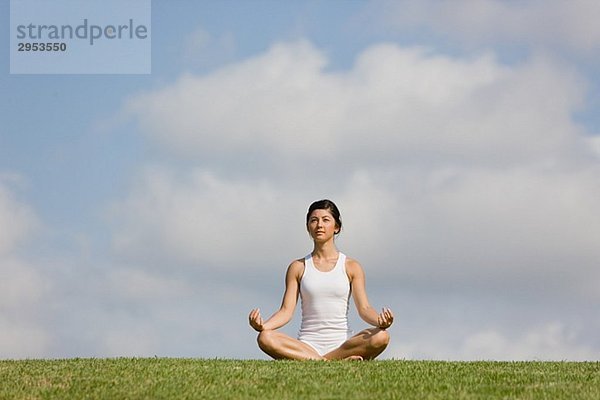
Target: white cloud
[[594, 143], [22, 287], [522, 227], [200, 219], [549, 342], [137, 284], [22, 291], [175, 313], [20, 284], [20, 339], [264, 94], [395, 106], [568, 24], [17, 219]]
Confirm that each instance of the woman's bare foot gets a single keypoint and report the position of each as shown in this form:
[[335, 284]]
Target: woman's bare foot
[[354, 358]]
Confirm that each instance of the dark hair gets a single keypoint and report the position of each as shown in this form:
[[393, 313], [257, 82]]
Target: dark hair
[[329, 206]]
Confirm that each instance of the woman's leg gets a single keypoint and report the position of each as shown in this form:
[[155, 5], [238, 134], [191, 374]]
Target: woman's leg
[[367, 345], [280, 346]]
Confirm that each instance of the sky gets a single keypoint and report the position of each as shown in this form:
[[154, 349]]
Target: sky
[[146, 215]]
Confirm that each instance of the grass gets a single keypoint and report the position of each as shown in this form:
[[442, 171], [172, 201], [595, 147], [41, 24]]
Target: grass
[[166, 378]]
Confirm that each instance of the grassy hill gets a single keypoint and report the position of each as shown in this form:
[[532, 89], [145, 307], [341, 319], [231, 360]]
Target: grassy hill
[[166, 378]]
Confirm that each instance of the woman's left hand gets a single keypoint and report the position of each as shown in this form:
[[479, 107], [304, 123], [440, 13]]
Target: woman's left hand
[[385, 319]]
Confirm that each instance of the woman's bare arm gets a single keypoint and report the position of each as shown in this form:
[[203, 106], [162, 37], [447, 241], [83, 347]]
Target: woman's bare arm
[[288, 304], [367, 313]]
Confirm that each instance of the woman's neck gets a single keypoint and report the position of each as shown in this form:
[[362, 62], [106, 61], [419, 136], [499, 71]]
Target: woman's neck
[[325, 250]]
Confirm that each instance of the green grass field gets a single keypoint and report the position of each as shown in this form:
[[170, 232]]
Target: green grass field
[[166, 378]]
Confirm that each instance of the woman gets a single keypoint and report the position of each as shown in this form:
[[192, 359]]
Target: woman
[[324, 280]]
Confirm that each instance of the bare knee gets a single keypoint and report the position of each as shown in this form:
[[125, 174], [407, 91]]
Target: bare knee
[[266, 340], [379, 340]]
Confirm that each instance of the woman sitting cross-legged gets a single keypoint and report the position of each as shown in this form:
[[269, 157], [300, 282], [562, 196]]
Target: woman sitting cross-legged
[[324, 280]]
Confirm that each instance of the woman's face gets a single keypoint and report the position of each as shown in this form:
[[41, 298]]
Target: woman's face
[[321, 225]]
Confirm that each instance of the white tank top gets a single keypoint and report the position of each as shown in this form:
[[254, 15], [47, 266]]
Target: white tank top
[[325, 297]]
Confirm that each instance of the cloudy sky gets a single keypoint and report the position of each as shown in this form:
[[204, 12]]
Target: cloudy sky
[[145, 215]]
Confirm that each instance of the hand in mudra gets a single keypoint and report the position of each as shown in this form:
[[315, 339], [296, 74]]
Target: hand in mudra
[[385, 319], [256, 320]]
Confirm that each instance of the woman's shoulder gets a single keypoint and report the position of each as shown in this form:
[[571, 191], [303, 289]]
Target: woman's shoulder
[[298, 262], [352, 265], [297, 266], [351, 261]]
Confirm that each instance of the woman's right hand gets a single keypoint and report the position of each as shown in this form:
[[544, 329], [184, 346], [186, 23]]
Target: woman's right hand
[[256, 320]]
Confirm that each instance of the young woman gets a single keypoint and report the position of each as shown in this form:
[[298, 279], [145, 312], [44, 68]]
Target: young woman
[[324, 280]]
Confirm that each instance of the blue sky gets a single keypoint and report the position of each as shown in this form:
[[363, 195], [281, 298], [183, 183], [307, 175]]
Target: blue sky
[[147, 214]]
